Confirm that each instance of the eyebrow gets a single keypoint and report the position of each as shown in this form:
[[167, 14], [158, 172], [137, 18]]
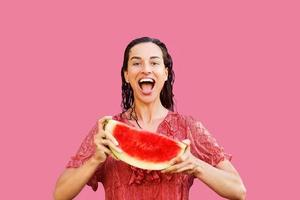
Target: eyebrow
[[135, 57], [139, 58]]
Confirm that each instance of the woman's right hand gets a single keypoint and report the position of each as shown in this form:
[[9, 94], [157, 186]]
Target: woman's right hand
[[104, 142]]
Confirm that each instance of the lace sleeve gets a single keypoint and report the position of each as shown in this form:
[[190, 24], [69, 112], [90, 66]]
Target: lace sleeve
[[203, 145], [85, 151]]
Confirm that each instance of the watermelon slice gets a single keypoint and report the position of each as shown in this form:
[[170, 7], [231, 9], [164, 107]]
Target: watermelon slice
[[143, 149]]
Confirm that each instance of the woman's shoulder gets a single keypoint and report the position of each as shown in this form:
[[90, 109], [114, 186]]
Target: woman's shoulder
[[117, 116], [177, 119], [185, 120], [175, 115], [121, 116]]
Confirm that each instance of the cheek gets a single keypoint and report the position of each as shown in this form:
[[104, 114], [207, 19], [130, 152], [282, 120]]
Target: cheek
[[131, 74], [162, 75], [161, 80]]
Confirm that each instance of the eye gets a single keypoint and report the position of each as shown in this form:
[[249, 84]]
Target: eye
[[136, 64], [155, 63]]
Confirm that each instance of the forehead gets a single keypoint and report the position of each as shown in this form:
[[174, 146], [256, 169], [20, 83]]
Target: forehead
[[145, 50]]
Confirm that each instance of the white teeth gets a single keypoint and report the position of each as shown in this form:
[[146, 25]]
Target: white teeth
[[146, 80]]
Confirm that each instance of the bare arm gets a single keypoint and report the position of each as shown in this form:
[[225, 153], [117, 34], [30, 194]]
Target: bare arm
[[72, 180], [223, 179]]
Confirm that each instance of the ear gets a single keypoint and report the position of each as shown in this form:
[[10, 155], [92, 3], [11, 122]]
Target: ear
[[126, 76], [166, 73]]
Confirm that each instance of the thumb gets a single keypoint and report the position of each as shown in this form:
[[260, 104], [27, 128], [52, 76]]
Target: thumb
[[188, 143], [101, 121]]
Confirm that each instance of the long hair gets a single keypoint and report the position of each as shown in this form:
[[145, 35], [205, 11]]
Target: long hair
[[166, 94]]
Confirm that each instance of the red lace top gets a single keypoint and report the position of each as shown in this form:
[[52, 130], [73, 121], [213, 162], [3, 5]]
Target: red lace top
[[122, 181]]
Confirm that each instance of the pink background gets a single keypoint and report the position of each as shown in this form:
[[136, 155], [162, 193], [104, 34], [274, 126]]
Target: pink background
[[237, 70]]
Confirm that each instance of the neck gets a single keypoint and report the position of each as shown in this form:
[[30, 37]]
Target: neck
[[148, 113]]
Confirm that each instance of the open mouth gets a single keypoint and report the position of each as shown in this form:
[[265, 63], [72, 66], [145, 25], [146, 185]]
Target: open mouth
[[146, 84]]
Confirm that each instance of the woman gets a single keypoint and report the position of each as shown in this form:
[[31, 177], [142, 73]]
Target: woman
[[147, 102]]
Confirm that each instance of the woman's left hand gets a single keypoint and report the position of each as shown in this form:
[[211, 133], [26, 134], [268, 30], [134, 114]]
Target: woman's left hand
[[186, 163]]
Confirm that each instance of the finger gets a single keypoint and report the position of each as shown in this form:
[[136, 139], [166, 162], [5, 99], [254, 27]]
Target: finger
[[185, 168], [100, 122], [179, 159], [105, 142], [106, 134], [179, 167], [100, 145], [183, 157], [111, 137], [175, 167], [111, 145], [104, 149], [98, 137], [186, 141], [97, 140]]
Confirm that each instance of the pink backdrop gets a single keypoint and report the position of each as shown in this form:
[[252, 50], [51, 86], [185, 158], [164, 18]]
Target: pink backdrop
[[237, 70]]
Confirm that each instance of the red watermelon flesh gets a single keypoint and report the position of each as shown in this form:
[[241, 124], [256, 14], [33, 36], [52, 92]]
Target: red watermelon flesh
[[144, 149]]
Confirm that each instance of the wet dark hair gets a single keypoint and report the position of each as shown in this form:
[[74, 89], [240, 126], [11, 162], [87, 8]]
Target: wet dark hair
[[166, 94]]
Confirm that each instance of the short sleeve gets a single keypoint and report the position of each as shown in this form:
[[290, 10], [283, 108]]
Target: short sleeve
[[203, 145], [85, 152]]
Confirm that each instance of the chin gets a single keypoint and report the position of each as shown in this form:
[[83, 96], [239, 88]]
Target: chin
[[147, 99]]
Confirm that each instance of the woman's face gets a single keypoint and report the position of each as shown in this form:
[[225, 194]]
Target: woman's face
[[146, 72]]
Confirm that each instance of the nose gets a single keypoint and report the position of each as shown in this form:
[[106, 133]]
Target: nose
[[147, 68]]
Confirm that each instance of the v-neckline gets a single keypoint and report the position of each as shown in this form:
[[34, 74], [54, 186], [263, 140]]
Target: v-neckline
[[157, 128]]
